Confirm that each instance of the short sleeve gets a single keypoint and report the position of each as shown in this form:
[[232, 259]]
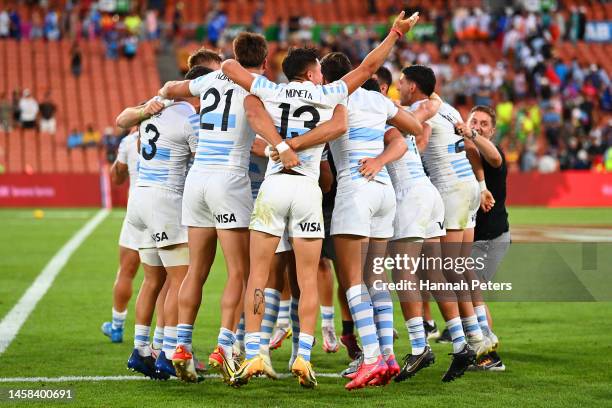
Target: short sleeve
[[325, 153], [335, 92], [264, 88], [122, 153], [200, 84], [390, 108], [192, 129]]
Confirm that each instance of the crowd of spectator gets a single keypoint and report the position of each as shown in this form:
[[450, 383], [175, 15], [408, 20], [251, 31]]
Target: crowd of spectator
[[553, 113]]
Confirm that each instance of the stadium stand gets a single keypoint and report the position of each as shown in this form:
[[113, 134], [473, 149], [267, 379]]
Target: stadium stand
[[444, 39]]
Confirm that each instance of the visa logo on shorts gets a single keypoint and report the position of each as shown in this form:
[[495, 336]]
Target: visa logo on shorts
[[159, 237], [225, 218], [310, 226]]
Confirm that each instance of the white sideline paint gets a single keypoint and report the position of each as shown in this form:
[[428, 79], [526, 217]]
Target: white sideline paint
[[123, 378], [12, 322]]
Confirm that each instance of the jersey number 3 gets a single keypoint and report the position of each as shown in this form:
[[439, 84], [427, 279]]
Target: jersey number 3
[[149, 153]]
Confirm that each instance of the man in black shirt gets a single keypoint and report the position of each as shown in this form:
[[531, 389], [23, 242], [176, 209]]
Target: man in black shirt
[[492, 234]]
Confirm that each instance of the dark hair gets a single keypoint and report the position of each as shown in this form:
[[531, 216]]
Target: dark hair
[[250, 49], [384, 76], [485, 109], [422, 76], [371, 85], [203, 57], [197, 71], [334, 66], [297, 62]]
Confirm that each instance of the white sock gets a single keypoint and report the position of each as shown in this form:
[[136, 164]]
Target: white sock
[[272, 299], [455, 329], [141, 339], [283, 313], [226, 340], [360, 305], [481, 314], [327, 316], [305, 348], [251, 341], [471, 327], [416, 333], [158, 338], [169, 341], [119, 319]]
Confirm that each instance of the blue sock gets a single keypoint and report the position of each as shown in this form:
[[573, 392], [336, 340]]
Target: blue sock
[[361, 309], [416, 333]]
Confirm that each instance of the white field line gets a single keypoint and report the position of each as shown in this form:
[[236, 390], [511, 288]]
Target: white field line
[[120, 378], [16, 317]]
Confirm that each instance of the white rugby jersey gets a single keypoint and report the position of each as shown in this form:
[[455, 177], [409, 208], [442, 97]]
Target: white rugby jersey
[[296, 108], [257, 172], [224, 137], [408, 169], [445, 158], [128, 154], [368, 112], [167, 140]]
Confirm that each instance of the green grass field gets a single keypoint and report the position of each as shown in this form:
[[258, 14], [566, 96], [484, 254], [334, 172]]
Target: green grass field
[[557, 354]]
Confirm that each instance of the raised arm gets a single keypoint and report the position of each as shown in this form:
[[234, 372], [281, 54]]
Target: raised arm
[[132, 116], [377, 56], [395, 147], [237, 73], [175, 89]]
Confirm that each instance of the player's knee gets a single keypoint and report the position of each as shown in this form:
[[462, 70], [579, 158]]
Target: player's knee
[[174, 256]]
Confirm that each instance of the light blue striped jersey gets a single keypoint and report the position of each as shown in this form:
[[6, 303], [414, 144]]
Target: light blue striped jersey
[[128, 154], [368, 112], [445, 158], [408, 170], [167, 140], [296, 108], [225, 137]]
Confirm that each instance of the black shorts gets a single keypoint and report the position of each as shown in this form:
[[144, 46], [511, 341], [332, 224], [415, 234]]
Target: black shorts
[[327, 250]]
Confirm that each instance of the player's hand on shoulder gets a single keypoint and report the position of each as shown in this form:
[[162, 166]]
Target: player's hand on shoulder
[[405, 24], [152, 107], [370, 167]]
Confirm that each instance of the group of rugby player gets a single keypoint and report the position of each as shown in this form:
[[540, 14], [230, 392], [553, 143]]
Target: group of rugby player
[[196, 178]]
